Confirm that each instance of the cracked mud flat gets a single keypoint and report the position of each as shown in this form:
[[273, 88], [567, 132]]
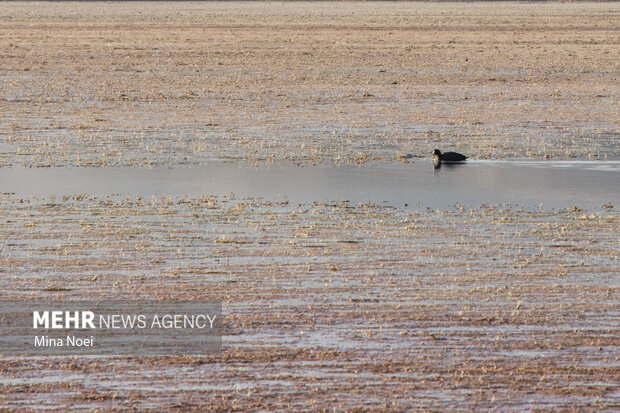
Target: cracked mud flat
[[328, 304]]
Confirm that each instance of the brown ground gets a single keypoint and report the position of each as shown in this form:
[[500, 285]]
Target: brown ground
[[328, 306], [140, 83]]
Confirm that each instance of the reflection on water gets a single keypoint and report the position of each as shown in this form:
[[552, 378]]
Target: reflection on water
[[7, 148], [417, 184]]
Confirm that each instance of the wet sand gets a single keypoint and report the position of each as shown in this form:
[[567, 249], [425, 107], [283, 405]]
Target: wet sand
[[329, 304]]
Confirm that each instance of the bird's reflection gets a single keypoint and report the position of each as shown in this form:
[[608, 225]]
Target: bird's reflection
[[438, 165]]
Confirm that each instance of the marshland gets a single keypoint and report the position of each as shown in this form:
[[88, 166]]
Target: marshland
[[256, 154]]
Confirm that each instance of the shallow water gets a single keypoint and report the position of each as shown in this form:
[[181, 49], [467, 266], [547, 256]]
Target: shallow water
[[531, 184]]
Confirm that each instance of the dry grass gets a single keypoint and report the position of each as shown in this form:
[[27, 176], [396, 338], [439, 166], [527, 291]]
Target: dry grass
[[327, 303], [157, 83]]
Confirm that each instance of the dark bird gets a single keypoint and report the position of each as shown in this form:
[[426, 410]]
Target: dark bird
[[448, 157]]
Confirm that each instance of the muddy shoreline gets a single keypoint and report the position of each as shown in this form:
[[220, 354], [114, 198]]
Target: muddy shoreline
[[326, 303], [91, 84]]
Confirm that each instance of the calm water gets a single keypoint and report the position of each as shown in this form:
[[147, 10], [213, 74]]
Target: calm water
[[417, 184]]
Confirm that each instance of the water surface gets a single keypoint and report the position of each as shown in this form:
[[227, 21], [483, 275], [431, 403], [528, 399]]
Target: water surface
[[415, 184]]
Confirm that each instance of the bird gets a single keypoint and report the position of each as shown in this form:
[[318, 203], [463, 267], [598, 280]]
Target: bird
[[448, 157]]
